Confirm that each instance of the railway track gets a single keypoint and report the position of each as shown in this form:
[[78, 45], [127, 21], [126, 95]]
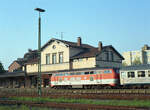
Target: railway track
[[125, 94], [73, 91]]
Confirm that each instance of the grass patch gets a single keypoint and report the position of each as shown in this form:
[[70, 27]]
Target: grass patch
[[137, 103]]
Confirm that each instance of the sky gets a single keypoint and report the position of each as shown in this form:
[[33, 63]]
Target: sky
[[125, 24]]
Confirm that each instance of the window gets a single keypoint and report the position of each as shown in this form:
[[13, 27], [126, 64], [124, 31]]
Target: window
[[47, 58], [141, 73], [107, 56], [66, 74], [123, 74], [86, 73], [80, 59], [117, 70], [91, 72], [131, 75], [148, 73], [107, 71], [78, 73], [54, 47], [99, 72], [75, 60], [60, 57], [111, 56], [72, 73], [54, 58]]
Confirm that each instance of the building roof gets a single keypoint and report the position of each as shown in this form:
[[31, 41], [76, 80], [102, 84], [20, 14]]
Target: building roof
[[137, 67], [31, 54], [21, 63], [12, 74], [88, 50], [31, 57], [91, 52], [70, 44]]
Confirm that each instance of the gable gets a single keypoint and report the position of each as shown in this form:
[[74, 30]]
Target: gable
[[55, 47], [109, 54], [53, 42]]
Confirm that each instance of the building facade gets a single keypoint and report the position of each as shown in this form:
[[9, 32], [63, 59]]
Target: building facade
[[59, 55], [142, 56]]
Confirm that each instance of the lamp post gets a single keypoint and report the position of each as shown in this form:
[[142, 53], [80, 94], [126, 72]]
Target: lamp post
[[39, 51]]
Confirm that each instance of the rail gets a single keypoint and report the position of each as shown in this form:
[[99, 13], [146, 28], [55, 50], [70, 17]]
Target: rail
[[33, 91]]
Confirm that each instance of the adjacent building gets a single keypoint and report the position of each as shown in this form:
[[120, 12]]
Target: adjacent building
[[141, 56]]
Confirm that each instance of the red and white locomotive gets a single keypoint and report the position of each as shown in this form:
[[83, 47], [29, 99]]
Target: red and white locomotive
[[86, 78]]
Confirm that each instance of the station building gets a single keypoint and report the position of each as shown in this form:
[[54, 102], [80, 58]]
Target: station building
[[61, 55]]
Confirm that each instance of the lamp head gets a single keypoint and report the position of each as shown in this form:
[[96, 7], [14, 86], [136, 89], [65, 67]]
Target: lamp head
[[39, 9]]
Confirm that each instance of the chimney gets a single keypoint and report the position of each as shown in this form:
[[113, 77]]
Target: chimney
[[100, 46], [29, 50], [145, 47], [79, 41]]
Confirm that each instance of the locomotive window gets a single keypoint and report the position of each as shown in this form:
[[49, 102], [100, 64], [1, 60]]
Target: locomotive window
[[117, 70], [141, 73], [78, 73], [82, 73], [91, 72], [60, 74], [86, 73], [66, 74], [107, 71], [131, 75], [99, 72], [72, 73]]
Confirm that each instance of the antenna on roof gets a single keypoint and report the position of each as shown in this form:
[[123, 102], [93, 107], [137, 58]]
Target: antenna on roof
[[61, 35]]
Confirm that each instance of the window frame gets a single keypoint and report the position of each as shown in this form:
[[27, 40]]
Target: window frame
[[131, 74], [61, 57], [141, 73], [47, 58], [54, 58]]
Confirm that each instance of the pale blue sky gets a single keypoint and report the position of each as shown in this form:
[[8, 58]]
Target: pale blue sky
[[125, 24]]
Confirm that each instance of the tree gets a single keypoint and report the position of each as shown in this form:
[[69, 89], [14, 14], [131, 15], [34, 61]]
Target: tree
[[1, 68], [136, 61], [124, 64]]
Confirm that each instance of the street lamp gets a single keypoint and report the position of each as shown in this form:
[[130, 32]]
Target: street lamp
[[39, 51]]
